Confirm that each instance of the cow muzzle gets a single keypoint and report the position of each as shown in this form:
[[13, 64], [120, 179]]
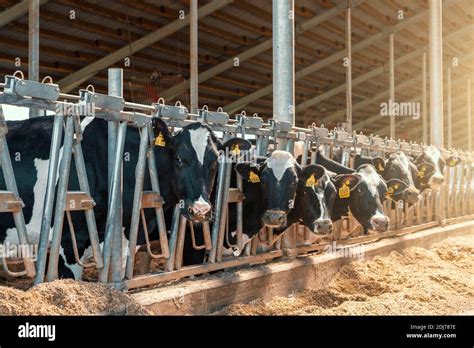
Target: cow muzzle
[[379, 223], [274, 218], [199, 211], [322, 226], [411, 195], [436, 181]]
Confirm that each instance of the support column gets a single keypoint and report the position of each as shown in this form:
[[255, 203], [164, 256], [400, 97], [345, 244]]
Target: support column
[[436, 83], [424, 101], [193, 56], [283, 62], [349, 67], [392, 84], [33, 45], [115, 86], [450, 112], [469, 116]]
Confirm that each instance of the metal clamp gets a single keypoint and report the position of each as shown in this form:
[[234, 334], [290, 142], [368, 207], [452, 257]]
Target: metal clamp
[[102, 101], [33, 89], [216, 117], [253, 122], [175, 112]]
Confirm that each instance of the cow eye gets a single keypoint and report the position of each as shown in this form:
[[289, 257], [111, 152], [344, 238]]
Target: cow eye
[[179, 161]]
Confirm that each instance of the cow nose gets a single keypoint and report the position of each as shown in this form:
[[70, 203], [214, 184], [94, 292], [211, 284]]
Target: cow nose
[[412, 195], [200, 209], [380, 223], [274, 218], [323, 226]]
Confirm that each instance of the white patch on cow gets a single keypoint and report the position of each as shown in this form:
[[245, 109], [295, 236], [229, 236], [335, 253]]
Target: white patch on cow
[[86, 121], [371, 177], [320, 196], [279, 162], [199, 142], [33, 226], [235, 250], [75, 268]]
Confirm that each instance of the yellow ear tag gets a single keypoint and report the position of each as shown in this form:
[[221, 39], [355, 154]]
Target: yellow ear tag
[[381, 168], [236, 150], [345, 191], [253, 178], [311, 182], [452, 163], [395, 187], [421, 172], [160, 140]]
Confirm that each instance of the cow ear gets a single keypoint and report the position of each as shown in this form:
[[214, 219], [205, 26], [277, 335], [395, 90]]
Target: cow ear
[[161, 132], [424, 169], [379, 164], [395, 187], [453, 161], [236, 145], [345, 183], [249, 171], [310, 174]]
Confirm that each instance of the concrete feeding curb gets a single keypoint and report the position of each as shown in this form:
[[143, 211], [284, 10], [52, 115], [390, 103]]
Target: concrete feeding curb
[[277, 278]]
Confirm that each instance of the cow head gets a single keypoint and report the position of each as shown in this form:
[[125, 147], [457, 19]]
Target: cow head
[[364, 191], [399, 167], [195, 152], [279, 177], [430, 165], [315, 195]]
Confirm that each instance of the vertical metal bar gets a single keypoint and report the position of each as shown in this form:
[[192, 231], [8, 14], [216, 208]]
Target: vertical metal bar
[[112, 231], [10, 183], [49, 198], [33, 45], [193, 55], [180, 242], [115, 88], [173, 237], [349, 67], [304, 157], [283, 63], [155, 186], [137, 201], [64, 170], [450, 112], [219, 197], [90, 216], [224, 209], [424, 100], [392, 83], [240, 213], [436, 84], [469, 116]]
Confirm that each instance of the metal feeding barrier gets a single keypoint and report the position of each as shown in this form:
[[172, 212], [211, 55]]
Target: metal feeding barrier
[[454, 202]]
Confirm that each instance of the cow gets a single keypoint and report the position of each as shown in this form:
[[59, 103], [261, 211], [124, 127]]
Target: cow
[[186, 163], [278, 193], [362, 190], [397, 166], [430, 165]]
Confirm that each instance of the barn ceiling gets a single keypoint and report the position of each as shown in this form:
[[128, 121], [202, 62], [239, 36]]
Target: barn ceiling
[[74, 34]]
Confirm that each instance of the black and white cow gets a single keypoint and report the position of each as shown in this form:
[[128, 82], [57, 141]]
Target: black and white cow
[[362, 191], [396, 166], [186, 163], [430, 165]]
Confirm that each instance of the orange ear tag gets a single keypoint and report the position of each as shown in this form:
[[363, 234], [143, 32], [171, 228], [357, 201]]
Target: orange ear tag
[[253, 178], [160, 140]]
